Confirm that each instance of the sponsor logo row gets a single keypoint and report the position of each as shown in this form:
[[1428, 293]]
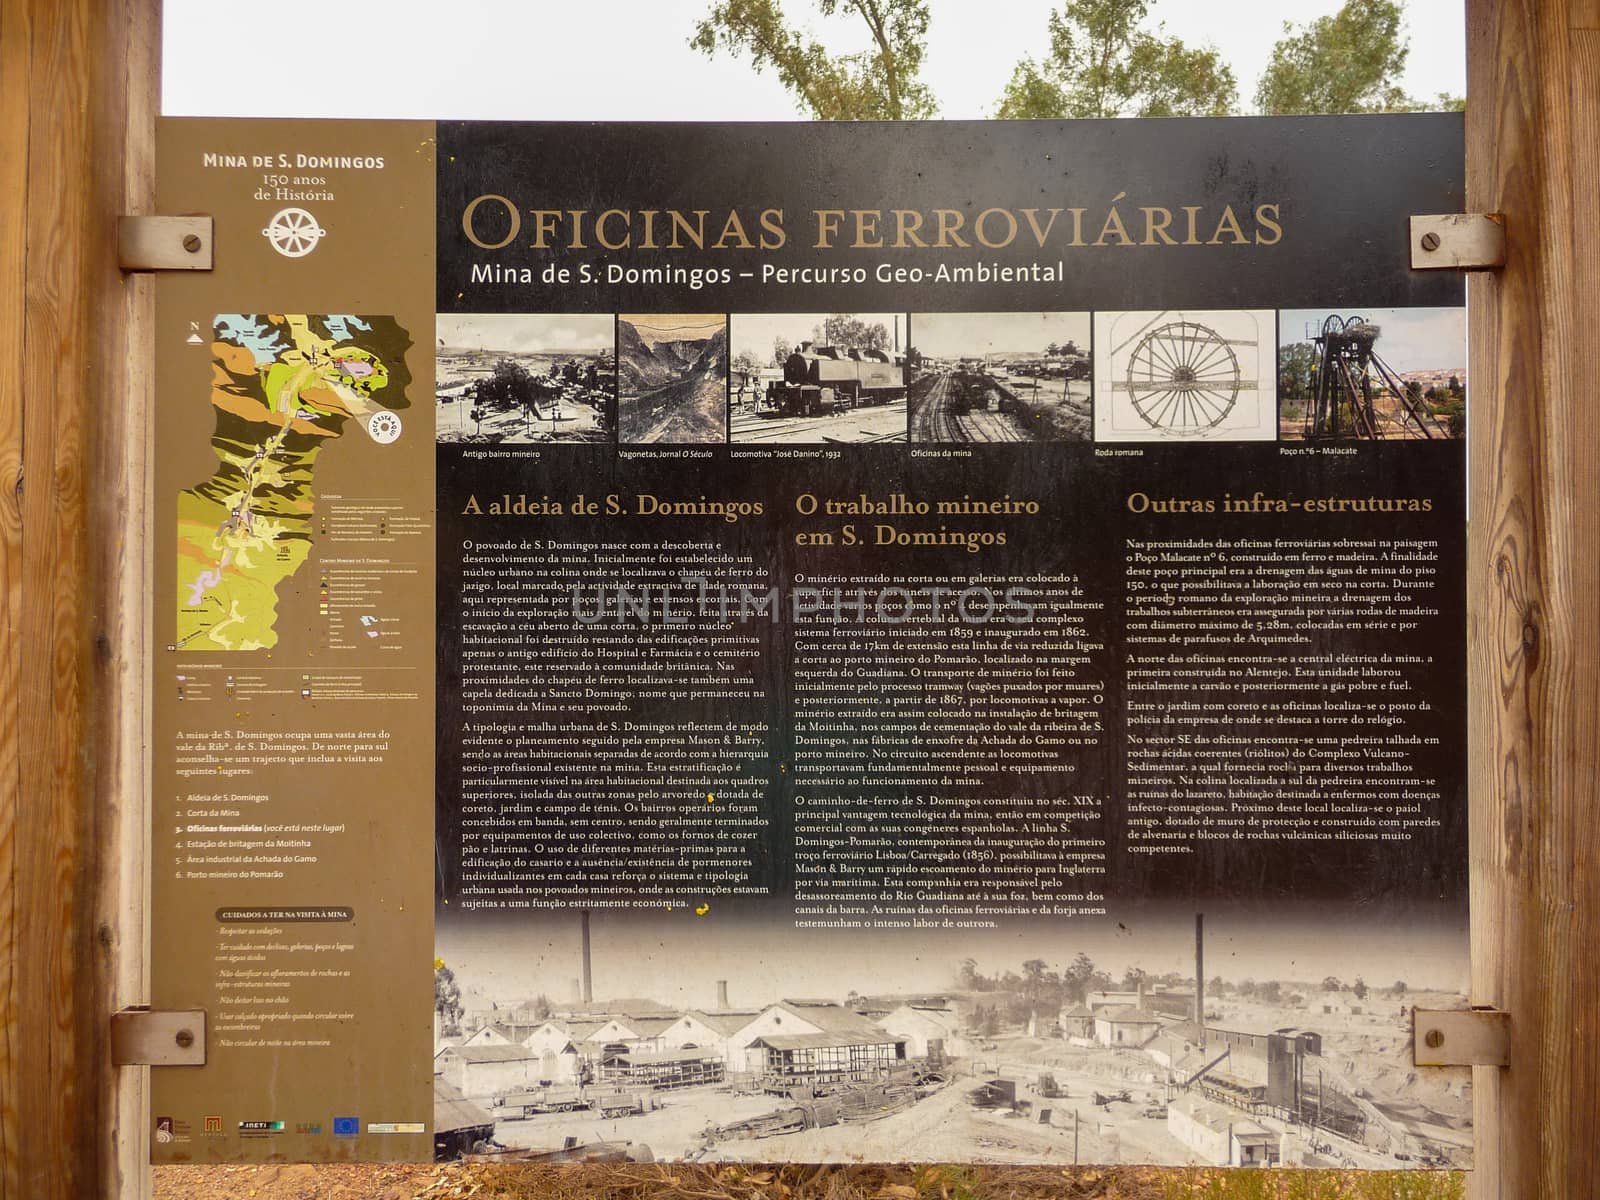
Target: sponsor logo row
[[171, 1130]]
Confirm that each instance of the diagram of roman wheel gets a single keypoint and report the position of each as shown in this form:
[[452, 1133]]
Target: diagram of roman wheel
[[293, 232], [1183, 376]]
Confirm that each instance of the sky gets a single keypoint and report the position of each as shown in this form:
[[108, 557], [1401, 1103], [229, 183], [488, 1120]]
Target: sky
[[526, 333], [630, 60], [756, 333], [959, 335], [1409, 339], [676, 959]]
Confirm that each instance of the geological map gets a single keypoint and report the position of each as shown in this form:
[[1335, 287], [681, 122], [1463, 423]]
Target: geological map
[[282, 389]]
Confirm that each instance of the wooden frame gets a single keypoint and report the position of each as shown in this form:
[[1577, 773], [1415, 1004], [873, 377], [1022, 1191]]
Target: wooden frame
[[1533, 154], [78, 100], [78, 96]]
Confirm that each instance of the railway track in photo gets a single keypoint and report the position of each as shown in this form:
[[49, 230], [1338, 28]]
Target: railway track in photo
[[939, 419]]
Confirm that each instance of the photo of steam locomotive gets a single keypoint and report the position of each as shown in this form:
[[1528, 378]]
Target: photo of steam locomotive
[[819, 378]]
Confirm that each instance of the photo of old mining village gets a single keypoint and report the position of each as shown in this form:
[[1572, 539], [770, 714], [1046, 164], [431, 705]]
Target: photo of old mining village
[[1026, 1066]]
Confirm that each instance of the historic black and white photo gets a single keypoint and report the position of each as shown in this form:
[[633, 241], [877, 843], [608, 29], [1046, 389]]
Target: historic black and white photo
[[817, 377], [1000, 377], [525, 378]]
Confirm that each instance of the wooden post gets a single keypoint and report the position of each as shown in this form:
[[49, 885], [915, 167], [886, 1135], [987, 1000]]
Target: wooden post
[[1533, 153], [78, 97]]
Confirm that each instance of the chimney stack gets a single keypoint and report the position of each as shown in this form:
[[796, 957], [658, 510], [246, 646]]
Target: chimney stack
[[1200, 974], [588, 983], [722, 995]]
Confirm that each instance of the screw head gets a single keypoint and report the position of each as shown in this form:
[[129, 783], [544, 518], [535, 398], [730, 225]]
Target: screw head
[[185, 1038], [1434, 1038], [1430, 241], [191, 242]]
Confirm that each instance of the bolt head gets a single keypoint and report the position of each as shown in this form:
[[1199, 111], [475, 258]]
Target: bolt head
[[1430, 241], [191, 242], [1434, 1038], [185, 1038]]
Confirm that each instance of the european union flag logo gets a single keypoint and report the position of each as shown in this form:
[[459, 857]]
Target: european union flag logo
[[346, 1126]]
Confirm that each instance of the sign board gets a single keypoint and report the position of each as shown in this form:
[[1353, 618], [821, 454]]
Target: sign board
[[816, 642]]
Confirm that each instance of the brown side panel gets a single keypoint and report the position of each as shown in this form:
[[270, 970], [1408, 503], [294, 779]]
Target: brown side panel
[[292, 677]]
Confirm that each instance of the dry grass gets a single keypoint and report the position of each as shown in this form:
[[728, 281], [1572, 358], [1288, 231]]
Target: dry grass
[[665, 1181]]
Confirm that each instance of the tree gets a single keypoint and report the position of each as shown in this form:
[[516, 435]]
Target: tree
[[878, 84], [446, 999], [1297, 369], [1399, 988], [1359, 988], [1270, 992], [782, 347], [1102, 64], [1350, 62], [852, 333], [1332, 983], [967, 977]]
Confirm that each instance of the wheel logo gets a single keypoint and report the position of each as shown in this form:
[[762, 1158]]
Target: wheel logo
[[293, 232], [384, 427]]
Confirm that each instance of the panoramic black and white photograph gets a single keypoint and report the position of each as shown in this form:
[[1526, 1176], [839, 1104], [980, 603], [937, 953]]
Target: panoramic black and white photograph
[[1221, 1039], [1185, 376], [1000, 377], [516, 378], [1382, 374], [672, 372], [818, 377]]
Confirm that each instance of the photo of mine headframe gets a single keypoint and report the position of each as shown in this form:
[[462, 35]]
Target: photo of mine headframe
[[1349, 374]]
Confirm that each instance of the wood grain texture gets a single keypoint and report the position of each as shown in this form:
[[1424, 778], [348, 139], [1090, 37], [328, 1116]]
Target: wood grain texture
[[14, 84], [1534, 592], [122, 464], [65, 320]]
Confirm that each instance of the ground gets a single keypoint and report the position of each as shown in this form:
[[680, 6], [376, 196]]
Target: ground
[[787, 1182], [1009, 410], [864, 423]]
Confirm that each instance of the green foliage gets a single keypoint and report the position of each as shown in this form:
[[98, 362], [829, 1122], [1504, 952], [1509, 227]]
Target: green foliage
[[1349, 62], [879, 84], [1103, 64], [1297, 371]]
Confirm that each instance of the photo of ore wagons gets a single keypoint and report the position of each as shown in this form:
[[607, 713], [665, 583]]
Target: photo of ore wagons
[[1185, 376], [1376, 374], [673, 378], [1000, 377], [508, 378], [818, 377]]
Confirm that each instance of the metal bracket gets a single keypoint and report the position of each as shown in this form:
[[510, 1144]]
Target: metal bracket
[[142, 1038], [1473, 1037], [1458, 242], [164, 243]]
